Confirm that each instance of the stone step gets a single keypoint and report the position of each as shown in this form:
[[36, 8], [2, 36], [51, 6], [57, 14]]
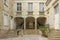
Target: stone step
[[54, 35], [54, 39], [8, 33], [30, 32], [11, 33]]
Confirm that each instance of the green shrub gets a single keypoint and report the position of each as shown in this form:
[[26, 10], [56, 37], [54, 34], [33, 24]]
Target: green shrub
[[44, 30]]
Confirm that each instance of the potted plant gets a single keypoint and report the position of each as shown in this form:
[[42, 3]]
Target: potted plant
[[44, 31]]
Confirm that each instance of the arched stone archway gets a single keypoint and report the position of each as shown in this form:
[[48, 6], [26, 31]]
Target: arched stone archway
[[19, 22], [41, 22], [30, 23]]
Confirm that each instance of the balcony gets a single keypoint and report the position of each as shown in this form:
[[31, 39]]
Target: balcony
[[41, 13], [30, 12], [18, 13]]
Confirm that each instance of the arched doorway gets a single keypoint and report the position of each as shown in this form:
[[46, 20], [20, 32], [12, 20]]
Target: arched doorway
[[30, 23], [19, 22], [41, 22]]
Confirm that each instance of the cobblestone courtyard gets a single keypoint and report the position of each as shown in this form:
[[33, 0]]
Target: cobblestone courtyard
[[27, 37]]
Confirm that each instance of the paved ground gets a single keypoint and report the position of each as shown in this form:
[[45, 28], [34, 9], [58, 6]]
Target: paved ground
[[27, 37]]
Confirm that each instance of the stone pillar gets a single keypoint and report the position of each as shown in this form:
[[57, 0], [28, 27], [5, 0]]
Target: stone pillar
[[14, 24], [35, 23], [11, 23], [24, 23], [59, 14]]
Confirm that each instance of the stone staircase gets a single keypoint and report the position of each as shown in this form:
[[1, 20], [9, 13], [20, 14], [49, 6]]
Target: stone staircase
[[31, 32], [2, 33], [9, 34], [54, 35], [12, 33]]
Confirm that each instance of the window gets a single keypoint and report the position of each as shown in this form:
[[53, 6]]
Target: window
[[5, 3], [30, 6], [5, 20], [19, 7], [41, 7], [56, 9]]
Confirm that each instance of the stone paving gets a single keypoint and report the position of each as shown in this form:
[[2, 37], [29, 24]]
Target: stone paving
[[27, 37]]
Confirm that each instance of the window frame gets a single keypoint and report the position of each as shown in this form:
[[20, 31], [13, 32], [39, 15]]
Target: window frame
[[56, 9], [6, 23], [19, 6], [41, 8], [30, 6]]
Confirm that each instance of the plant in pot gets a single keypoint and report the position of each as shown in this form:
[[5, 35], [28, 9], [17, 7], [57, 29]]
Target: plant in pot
[[44, 30]]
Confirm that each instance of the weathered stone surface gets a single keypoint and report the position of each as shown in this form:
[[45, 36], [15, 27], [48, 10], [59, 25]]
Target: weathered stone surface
[[54, 35], [27, 37]]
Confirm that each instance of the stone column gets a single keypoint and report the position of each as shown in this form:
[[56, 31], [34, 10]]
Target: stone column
[[35, 23], [59, 14], [24, 23], [14, 24]]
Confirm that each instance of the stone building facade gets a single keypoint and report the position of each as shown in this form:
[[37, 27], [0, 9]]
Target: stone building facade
[[22, 14], [30, 15], [6, 15], [53, 14]]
